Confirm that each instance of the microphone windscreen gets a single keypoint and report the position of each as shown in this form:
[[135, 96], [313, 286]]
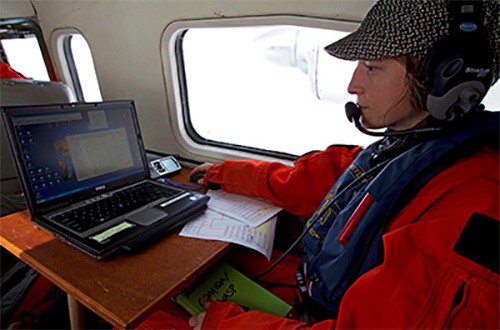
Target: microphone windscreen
[[352, 111]]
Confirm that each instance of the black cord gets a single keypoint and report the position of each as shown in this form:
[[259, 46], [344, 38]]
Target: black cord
[[275, 284], [334, 199]]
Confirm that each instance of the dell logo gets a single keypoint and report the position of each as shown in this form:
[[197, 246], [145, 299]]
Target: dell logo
[[468, 26], [100, 188]]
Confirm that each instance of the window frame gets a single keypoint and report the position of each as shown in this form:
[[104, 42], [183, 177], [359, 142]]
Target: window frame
[[61, 48], [177, 94], [71, 65]]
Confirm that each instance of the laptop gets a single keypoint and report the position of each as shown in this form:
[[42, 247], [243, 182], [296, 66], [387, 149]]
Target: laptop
[[86, 179]]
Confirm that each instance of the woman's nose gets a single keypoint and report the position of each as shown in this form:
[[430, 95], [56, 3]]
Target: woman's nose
[[354, 85]]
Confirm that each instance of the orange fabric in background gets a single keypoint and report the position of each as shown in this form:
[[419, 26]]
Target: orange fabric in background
[[6, 72]]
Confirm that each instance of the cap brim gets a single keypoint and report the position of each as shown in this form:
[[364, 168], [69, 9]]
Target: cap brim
[[360, 45]]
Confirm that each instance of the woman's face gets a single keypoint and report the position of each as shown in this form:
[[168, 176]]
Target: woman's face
[[383, 95]]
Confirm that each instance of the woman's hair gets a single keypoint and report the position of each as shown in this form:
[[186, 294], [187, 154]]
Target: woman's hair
[[414, 82], [414, 89]]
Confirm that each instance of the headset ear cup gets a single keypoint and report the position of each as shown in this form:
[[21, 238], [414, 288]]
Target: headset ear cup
[[439, 66], [458, 73]]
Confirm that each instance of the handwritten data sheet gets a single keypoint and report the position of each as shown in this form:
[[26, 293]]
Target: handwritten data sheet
[[238, 219], [217, 226], [251, 211]]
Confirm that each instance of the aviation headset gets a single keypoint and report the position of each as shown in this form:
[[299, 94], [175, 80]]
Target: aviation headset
[[458, 70]]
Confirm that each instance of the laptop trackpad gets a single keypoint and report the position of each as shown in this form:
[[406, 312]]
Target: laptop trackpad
[[147, 216]]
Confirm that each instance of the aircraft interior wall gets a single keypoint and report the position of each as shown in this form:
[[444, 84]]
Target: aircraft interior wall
[[125, 40]]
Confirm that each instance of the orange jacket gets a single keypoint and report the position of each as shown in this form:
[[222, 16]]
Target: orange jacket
[[422, 282], [299, 190]]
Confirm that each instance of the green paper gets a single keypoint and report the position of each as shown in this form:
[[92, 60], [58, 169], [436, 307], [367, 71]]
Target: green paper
[[224, 283]]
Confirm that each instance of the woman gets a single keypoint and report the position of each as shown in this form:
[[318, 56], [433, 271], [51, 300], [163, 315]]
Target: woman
[[394, 244]]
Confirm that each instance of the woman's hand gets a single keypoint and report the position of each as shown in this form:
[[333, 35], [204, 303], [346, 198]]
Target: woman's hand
[[197, 321], [201, 168]]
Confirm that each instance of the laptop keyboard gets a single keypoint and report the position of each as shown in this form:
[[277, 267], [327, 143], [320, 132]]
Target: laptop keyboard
[[120, 203]]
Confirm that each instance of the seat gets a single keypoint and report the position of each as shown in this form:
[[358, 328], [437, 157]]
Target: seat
[[23, 92]]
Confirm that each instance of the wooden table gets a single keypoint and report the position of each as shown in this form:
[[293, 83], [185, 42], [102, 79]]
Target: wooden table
[[124, 290]]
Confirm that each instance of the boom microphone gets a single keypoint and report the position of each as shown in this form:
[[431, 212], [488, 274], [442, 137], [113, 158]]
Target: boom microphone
[[353, 113]]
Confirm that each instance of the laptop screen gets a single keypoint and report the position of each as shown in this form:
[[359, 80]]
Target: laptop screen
[[83, 147]]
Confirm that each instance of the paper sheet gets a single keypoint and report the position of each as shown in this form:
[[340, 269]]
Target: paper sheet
[[251, 211], [214, 225]]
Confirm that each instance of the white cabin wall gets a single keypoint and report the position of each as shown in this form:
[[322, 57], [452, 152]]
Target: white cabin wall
[[16, 8], [125, 36]]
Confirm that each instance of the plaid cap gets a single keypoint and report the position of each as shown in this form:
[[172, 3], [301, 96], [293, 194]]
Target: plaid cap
[[408, 27]]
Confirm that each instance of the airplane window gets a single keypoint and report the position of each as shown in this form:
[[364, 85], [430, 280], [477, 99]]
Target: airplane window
[[492, 99], [24, 56], [267, 87], [23, 48], [81, 68]]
